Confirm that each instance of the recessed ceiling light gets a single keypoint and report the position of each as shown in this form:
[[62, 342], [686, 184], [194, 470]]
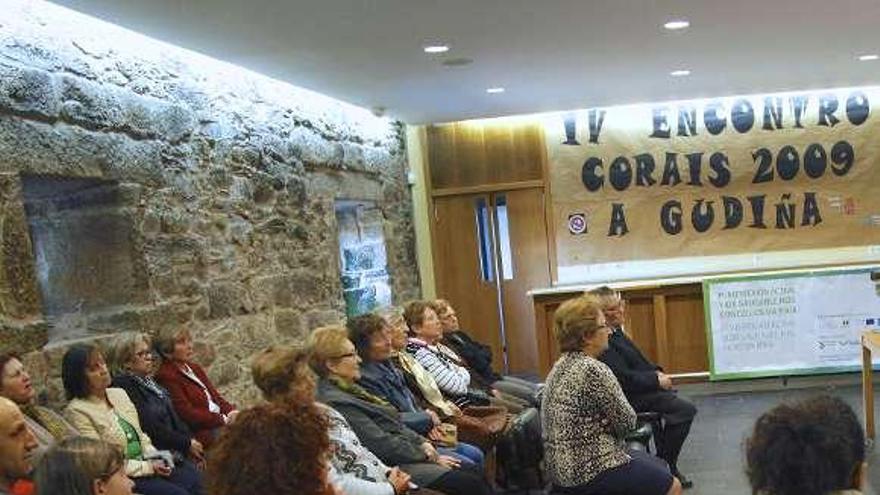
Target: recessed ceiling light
[[436, 48], [866, 58], [495, 90], [677, 24], [680, 73]]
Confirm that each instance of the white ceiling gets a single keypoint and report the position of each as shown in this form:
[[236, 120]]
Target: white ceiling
[[550, 54]]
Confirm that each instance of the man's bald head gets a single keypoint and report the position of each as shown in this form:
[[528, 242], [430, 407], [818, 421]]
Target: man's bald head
[[17, 443]]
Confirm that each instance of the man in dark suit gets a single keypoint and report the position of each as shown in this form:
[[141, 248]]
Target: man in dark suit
[[645, 384]]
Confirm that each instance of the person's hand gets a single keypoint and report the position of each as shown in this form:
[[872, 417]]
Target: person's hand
[[430, 452], [230, 418], [161, 469], [399, 480], [434, 418], [449, 462], [436, 434], [456, 411], [196, 451], [664, 380]]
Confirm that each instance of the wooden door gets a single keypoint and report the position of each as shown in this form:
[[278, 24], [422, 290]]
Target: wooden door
[[461, 273], [490, 250], [520, 225]]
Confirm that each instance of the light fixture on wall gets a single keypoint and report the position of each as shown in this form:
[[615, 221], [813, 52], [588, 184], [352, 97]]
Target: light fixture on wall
[[680, 73], [868, 57], [495, 90]]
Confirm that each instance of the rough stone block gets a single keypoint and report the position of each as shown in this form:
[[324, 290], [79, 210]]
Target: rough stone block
[[289, 325], [228, 299], [23, 337], [29, 91]]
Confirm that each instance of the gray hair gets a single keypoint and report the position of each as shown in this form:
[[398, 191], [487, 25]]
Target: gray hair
[[120, 350]]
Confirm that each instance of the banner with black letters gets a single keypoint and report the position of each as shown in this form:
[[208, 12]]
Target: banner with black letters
[[726, 176]]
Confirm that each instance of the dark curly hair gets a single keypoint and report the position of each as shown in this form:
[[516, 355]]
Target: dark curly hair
[[361, 329], [808, 448], [272, 448]]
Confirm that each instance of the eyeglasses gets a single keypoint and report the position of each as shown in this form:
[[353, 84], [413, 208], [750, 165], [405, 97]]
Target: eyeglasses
[[346, 355]]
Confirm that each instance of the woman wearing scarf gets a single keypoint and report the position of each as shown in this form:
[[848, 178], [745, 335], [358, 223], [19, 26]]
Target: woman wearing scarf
[[335, 360], [131, 363]]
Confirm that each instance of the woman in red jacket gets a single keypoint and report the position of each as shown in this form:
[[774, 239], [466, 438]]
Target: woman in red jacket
[[193, 395]]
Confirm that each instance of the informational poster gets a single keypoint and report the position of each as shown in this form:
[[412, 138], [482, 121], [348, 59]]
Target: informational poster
[[789, 324], [635, 185]]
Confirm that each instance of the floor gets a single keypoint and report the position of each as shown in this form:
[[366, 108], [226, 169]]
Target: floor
[[713, 456]]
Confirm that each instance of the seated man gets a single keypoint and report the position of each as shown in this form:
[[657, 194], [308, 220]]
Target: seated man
[[17, 446], [646, 386]]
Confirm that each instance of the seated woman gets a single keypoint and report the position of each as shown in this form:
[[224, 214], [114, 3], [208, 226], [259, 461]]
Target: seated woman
[[585, 415], [379, 427], [195, 399], [131, 365], [371, 336], [47, 425], [478, 357], [272, 449], [83, 466], [813, 447], [104, 413], [283, 376], [480, 426], [444, 364]]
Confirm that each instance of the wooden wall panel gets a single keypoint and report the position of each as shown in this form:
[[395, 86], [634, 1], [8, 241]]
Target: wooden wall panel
[[687, 335], [640, 323], [684, 349], [473, 154]]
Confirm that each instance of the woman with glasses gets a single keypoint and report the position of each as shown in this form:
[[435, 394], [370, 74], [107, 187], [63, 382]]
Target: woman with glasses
[[132, 365], [334, 358], [585, 416], [104, 413]]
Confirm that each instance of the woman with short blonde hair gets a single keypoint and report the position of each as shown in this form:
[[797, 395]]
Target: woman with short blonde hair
[[195, 398], [132, 365], [335, 359], [82, 466], [585, 416]]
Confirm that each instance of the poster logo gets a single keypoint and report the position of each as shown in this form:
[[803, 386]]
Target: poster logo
[[577, 223]]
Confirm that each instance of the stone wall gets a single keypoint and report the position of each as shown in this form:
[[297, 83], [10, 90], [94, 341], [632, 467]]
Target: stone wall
[[223, 188]]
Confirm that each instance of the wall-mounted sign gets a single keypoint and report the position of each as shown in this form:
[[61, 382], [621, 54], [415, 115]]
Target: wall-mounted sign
[[726, 176]]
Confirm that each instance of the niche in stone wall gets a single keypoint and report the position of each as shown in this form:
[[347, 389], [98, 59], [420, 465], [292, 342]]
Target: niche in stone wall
[[365, 282], [83, 240]]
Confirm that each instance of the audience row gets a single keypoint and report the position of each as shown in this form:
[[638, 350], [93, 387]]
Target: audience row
[[375, 407]]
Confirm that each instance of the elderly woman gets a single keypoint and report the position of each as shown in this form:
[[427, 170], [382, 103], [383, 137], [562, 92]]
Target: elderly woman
[[378, 426], [272, 449], [585, 415], [195, 399], [447, 367], [46, 425], [371, 336], [477, 425], [131, 364], [105, 413], [814, 447], [283, 376], [83, 466], [478, 357]]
